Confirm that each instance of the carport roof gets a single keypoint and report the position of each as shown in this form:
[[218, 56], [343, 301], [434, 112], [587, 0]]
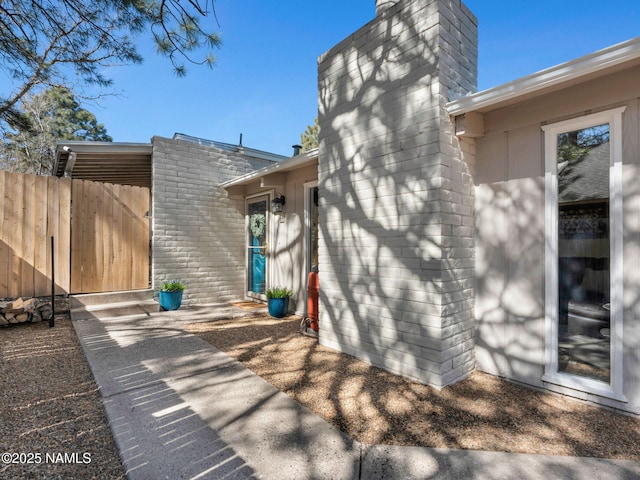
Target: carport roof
[[109, 162]]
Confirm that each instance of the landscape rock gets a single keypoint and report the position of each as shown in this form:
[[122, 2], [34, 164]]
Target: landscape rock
[[46, 311]]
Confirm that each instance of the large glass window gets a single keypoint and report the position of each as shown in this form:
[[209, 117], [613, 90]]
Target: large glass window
[[584, 253], [313, 228]]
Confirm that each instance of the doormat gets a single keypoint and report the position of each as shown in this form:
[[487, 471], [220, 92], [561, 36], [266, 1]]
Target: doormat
[[248, 305]]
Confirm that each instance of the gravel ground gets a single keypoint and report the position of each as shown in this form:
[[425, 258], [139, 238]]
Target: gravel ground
[[377, 407], [50, 408]]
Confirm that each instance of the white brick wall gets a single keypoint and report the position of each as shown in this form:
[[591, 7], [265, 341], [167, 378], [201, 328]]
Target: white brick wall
[[396, 196], [198, 230]]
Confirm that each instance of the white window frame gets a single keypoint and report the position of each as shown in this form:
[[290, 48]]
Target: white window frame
[[614, 388], [308, 186]]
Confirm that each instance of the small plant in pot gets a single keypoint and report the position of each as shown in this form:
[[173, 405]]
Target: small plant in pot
[[278, 301], [171, 294]]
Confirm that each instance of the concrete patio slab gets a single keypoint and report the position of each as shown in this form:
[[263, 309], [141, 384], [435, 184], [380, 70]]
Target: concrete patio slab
[[390, 462]]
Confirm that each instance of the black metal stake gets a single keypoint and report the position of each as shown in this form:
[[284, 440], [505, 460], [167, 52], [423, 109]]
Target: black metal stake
[[52, 320]]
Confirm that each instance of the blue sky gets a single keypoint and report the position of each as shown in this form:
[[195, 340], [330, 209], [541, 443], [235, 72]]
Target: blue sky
[[265, 82]]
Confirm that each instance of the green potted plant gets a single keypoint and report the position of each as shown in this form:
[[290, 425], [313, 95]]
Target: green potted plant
[[171, 294], [278, 301]]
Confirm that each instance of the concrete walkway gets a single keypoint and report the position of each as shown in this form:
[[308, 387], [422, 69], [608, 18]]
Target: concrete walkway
[[181, 409]]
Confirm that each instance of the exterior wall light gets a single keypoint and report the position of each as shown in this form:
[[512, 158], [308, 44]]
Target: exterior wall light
[[277, 205]]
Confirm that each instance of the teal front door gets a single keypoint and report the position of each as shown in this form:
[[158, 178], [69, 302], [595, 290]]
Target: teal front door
[[257, 235]]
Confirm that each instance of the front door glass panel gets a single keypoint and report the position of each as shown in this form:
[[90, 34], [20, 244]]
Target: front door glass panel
[[257, 234]]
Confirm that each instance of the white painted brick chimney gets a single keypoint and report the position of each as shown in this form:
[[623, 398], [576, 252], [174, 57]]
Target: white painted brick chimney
[[382, 5], [396, 243]]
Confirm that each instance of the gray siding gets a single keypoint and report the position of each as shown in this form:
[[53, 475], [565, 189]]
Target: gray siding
[[510, 254], [510, 232], [631, 274]]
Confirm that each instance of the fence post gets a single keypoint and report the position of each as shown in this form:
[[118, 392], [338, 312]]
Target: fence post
[[52, 320]]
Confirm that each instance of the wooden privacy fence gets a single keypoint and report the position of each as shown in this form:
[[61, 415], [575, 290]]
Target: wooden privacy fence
[[32, 210], [100, 231]]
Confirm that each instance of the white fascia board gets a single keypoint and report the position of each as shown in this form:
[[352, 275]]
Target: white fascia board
[[103, 147], [288, 164], [554, 76]]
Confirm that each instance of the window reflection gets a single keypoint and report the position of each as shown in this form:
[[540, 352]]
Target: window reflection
[[313, 202], [583, 253]]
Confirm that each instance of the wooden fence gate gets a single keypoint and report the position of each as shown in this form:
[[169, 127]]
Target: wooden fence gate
[[101, 236], [109, 237]]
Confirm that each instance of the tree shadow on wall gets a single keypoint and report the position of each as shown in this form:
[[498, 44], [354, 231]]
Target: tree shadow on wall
[[394, 254]]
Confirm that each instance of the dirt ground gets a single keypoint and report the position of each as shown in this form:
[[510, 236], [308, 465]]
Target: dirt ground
[[52, 421], [377, 407]]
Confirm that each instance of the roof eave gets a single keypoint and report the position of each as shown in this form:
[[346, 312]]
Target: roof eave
[[288, 164], [545, 79]]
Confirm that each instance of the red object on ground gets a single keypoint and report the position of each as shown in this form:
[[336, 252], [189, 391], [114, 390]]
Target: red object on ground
[[313, 290]]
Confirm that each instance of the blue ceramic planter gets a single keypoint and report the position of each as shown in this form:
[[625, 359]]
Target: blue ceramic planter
[[278, 307], [170, 300]]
